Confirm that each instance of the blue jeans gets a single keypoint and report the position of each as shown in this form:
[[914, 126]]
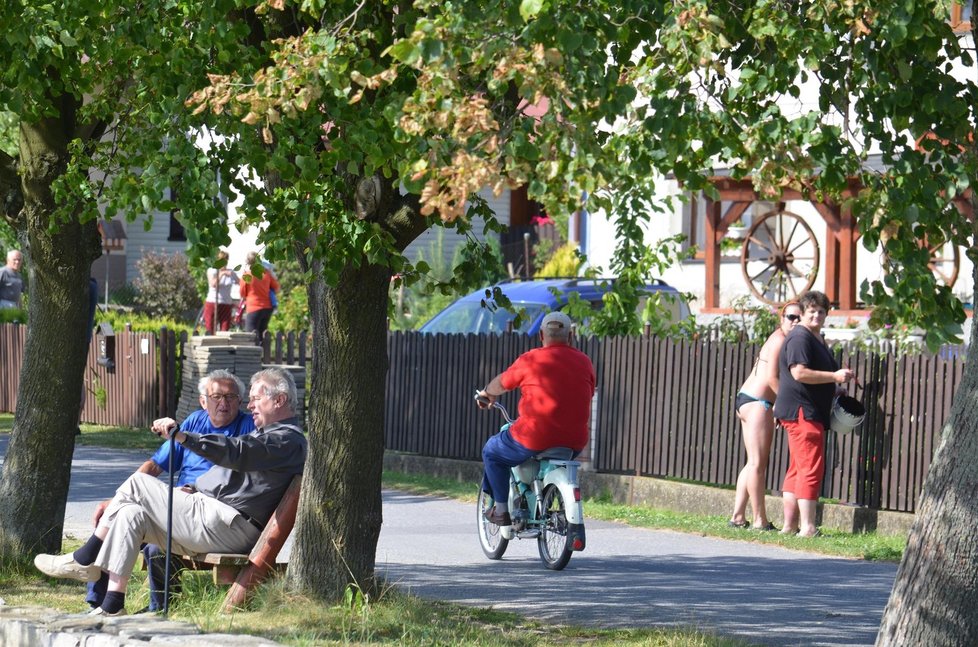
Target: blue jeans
[[156, 560], [500, 454]]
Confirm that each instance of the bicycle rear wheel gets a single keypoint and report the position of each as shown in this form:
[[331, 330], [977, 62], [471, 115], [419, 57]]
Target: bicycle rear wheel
[[492, 541], [554, 542]]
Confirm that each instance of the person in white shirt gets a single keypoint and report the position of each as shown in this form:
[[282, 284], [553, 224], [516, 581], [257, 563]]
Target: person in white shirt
[[219, 303]]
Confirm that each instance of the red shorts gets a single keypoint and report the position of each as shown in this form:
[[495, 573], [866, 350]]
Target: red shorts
[[806, 457]]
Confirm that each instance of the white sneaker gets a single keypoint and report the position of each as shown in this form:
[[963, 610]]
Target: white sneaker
[[65, 566], [99, 611]]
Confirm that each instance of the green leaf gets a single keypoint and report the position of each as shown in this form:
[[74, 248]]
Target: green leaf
[[530, 8], [405, 51], [431, 49]]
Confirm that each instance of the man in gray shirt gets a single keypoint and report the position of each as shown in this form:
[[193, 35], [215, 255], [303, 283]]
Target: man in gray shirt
[[11, 282], [224, 513]]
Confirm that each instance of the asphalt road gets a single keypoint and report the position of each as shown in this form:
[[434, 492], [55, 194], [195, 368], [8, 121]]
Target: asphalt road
[[627, 577]]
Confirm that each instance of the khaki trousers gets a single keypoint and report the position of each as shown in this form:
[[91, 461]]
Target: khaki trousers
[[137, 515]]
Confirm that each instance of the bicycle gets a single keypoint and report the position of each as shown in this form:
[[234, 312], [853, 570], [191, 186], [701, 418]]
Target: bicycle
[[544, 504]]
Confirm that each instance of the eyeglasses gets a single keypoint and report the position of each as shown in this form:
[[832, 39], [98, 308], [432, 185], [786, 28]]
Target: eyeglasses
[[793, 318], [225, 397]]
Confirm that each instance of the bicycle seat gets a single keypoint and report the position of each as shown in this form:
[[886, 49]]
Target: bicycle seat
[[556, 453]]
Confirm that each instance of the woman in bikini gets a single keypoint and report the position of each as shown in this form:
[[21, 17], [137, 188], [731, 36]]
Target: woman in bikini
[[754, 404]]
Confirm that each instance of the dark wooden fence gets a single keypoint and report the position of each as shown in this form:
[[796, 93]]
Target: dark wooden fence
[[662, 408], [665, 409]]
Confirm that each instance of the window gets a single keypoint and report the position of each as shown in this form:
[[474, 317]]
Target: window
[[177, 234]]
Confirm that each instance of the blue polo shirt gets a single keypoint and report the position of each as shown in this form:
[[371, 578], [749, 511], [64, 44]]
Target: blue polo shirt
[[188, 465]]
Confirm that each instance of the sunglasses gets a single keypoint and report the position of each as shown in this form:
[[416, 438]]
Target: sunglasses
[[793, 318]]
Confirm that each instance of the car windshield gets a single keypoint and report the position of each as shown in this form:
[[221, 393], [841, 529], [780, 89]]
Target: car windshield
[[471, 317]]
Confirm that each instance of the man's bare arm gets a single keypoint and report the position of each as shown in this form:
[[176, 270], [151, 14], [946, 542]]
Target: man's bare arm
[[492, 391]]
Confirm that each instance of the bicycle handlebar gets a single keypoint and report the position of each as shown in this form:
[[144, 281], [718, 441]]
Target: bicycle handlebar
[[496, 405]]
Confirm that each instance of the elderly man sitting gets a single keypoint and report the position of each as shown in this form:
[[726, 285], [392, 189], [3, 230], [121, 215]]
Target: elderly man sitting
[[226, 511], [221, 395]]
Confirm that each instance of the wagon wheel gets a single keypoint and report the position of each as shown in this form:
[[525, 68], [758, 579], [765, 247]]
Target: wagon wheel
[[944, 262], [780, 257]]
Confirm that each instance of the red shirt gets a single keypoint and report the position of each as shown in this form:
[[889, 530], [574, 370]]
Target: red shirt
[[255, 291], [556, 384]]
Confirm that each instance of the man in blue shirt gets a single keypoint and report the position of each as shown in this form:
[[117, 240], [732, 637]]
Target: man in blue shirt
[[221, 394]]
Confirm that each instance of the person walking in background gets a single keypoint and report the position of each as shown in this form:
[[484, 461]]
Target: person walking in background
[[219, 302], [11, 281], [754, 404], [809, 379], [258, 304]]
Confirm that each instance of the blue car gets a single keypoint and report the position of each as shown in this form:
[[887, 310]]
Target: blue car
[[537, 298]]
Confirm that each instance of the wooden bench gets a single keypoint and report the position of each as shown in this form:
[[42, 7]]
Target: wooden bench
[[245, 572]]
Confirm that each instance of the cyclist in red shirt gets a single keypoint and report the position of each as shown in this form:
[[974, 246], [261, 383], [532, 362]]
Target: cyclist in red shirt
[[556, 385]]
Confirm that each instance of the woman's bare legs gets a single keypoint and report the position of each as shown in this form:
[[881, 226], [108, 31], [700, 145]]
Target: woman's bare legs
[[757, 425]]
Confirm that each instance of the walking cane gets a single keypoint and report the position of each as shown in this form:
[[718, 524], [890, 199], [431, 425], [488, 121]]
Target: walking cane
[[169, 526]]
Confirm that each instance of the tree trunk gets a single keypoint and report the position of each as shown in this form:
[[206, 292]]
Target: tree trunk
[[935, 594], [340, 507], [37, 469]]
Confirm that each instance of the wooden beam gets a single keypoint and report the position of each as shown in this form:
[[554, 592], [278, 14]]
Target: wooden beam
[[712, 219], [847, 261], [734, 212], [833, 222]]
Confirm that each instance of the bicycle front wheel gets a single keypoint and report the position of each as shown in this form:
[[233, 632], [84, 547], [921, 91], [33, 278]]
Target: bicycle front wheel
[[554, 541], [492, 541]]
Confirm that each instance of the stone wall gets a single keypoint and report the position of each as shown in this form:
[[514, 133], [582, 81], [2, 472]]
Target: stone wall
[[42, 627]]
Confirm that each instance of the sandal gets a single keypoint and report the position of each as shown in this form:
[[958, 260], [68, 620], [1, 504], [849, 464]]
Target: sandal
[[765, 528], [742, 524]]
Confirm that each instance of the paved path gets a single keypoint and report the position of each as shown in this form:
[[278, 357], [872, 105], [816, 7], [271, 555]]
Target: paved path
[[627, 577]]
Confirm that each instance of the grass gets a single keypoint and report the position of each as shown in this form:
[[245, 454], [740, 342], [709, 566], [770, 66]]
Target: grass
[[118, 438], [97, 436], [392, 619]]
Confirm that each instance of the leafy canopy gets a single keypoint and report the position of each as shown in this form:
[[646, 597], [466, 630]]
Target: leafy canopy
[[302, 109]]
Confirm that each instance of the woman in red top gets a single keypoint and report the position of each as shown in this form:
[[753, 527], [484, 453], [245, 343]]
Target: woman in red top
[[258, 302]]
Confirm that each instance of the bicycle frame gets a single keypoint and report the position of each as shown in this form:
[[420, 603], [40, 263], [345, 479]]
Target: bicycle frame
[[531, 479]]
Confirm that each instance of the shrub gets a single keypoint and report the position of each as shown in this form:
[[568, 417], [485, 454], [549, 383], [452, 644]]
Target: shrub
[[292, 313], [13, 315], [141, 322], [566, 261], [293, 310], [751, 322], [166, 287]]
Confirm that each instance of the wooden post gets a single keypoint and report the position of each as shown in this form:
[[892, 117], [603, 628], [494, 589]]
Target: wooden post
[[712, 264], [847, 261]]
